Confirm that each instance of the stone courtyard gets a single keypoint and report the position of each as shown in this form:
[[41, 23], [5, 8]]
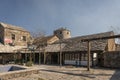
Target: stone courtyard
[[51, 72]]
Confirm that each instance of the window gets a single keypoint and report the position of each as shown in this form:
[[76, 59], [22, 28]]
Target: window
[[23, 38], [13, 36], [60, 32], [67, 32]]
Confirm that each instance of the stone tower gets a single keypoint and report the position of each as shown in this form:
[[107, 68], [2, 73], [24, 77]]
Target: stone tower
[[62, 33]]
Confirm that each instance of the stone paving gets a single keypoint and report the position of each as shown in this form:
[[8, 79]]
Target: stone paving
[[48, 72]]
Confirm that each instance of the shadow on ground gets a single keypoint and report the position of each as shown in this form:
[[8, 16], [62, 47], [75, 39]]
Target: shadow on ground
[[88, 75], [116, 75]]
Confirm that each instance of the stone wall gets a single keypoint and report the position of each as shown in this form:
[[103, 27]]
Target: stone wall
[[18, 36], [112, 59], [13, 35], [15, 74], [1, 34]]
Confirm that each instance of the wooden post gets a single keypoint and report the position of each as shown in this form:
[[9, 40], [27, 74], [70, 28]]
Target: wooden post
[[31, 56], [25, 57], [3, 59], [14, 57], [60, 55], [39, 58], [88, 62], [58, 58], [44, 57]]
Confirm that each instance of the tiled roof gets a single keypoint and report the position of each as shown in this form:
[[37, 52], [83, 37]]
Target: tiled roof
[[71, 44], [75, 44], [54, 48], [12, 27], [117, 47], [42, 41], [9, 49]]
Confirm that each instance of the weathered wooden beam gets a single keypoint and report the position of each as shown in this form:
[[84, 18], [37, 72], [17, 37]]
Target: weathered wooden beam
[[58, 58], [88, 62], [100, 38], [39, 58], [60, 55], [44, 57], [31, 56], [15, 57], [25, 57]]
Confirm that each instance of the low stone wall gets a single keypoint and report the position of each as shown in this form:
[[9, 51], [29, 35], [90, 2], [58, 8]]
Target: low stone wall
[[7, 68], [112, 59], [15, 74]]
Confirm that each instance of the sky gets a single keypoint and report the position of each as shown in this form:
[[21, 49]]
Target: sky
[[81, 17]]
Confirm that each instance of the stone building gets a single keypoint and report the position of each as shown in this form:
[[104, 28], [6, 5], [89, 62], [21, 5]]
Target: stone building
[[13, 35], [59, 34], [12, 38], [44, 41], [62, 33], [73, 49]]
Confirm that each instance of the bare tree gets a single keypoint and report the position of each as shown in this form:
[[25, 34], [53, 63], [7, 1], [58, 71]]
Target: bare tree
[[116, 31], [38, 38], [38, 34]]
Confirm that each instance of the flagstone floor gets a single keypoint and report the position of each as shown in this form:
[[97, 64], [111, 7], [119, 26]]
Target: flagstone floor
[[50, 72]]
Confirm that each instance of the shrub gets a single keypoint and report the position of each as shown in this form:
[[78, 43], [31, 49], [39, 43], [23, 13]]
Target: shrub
[[29, 63]]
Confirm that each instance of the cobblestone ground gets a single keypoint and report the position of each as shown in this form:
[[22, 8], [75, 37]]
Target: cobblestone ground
[[71, 73]]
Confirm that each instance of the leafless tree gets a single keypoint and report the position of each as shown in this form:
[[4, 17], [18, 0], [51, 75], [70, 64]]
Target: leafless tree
[[38, 38], [116, 31]]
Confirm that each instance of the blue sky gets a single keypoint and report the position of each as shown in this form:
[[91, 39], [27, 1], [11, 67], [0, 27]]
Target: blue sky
[[81, 17]]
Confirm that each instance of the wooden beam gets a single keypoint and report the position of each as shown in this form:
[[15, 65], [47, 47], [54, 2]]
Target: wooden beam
[[58, 58], [88, 61], [60, 55], [39, 58], [31, 56], [44, 57], [15, 57], [25, 57], [100, 38]]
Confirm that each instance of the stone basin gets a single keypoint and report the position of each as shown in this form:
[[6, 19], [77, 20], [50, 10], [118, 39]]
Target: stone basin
[[8, 68], [13, 71]]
